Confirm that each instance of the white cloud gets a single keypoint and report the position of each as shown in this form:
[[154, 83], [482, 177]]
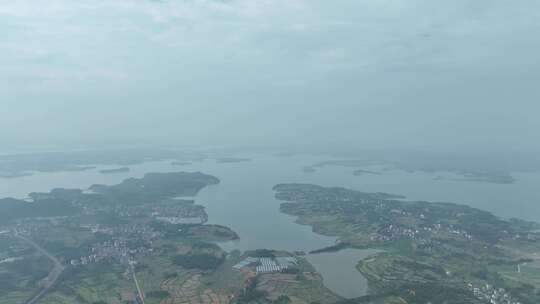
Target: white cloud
[[116, 34], [214, 51]]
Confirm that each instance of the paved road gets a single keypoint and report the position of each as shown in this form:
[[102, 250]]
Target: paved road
[[53, 276], [141, 294]]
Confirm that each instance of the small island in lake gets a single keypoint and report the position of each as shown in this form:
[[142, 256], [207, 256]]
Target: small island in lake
[[114, 170]]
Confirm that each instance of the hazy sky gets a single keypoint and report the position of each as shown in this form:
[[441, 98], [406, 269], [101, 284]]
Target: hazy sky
[[361, 72]]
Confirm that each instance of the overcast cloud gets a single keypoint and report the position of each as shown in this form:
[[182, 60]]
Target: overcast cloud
[[381, 73]]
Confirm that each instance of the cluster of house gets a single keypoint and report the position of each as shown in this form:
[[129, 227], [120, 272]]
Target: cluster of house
[[111, 250], [492, 295], [527, 236], [184, 213], [394, 232], [267, 264], [181, 220]]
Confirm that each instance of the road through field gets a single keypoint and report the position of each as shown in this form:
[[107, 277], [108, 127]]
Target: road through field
[[53, 276]]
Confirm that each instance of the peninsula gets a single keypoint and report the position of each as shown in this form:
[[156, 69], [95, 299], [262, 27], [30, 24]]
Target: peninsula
[[432, 252]]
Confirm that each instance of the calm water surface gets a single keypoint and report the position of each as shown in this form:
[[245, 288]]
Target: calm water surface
[[244, 201]]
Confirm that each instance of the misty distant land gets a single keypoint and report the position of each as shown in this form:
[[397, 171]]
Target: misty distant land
[[483, 177], [309, 169], [465, 175], [23, 164], [363, 172], [19, 165], [71, 168], [181, 163], [224, 160], [14, 174]]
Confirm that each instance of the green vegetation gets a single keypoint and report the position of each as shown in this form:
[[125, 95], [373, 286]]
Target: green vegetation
[[201, 255], [21, 269], [263, 253], [89, 284], [156, 186], [157, 295], [251, 294], [339, 246], [13, 209], [202, 261]]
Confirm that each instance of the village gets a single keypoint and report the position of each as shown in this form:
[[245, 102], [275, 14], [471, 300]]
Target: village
[[492, 295]]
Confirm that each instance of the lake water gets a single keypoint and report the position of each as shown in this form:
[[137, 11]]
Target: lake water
[[244, 201]]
